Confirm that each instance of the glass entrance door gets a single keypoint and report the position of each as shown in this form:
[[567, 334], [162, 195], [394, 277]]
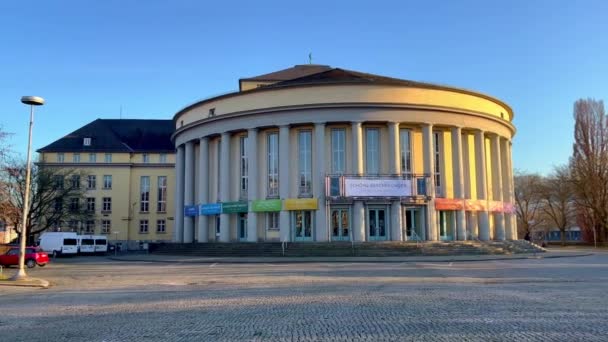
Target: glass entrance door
[[446, 225], [340, 224], [242, 224], [412, 227], [377, 226], [302, 225]]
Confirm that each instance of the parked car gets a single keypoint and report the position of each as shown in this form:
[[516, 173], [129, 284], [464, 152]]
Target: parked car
[[33, 256]]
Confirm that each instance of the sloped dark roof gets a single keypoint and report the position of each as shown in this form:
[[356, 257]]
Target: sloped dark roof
[[290, 73], [118, 135]]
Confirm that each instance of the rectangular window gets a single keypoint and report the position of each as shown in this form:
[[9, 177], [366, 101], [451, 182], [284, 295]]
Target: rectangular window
[[107, 181], [305, 162], [76, 158], [106, 226], [143, 226], [144, 191], [437, 153], [75, 183], [161, 205], [92, 157], [91, 182], [162, 158], [272, 221], [107, 205], [73, 225], [60, 157], [161, 226], [273, 164], [108, 158], [58, 204], [145, 158], [89, 227], [58, 182], [244, 166], [338, 151], [91, 204], [86, 141], [405, 148], [372, 155], [74, 205]]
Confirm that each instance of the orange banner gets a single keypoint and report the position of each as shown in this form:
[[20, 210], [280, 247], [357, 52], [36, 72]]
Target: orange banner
[[475, 205], [449, 204]]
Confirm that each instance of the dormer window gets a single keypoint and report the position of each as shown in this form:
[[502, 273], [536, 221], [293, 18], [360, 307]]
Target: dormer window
[[86, 142], [211, 112]]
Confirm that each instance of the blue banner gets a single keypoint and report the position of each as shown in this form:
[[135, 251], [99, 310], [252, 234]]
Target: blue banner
[[210, 209], [190, 210]]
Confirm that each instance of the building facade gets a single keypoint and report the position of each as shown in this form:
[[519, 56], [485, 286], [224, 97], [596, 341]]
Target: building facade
[[127, 170], [314, 153]]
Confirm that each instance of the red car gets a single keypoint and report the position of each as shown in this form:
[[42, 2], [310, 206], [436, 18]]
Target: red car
[[33, 256]]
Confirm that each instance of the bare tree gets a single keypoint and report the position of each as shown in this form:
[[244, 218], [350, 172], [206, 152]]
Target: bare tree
[[557, 200], [4, 146], [528, 202], [589, 165], [56, 197]]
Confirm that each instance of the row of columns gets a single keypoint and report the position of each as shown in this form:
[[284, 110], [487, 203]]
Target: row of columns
[[478, 222]]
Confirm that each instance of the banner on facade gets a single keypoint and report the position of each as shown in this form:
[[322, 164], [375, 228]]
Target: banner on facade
[[301, 204], [495, 206], [508, 208], [266, 205], [449, 204], [234, 207], [377, 187], [210, 209], [475, 205], [190, 210]]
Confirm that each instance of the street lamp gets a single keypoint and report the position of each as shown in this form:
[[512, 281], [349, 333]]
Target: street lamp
[[31, 101]]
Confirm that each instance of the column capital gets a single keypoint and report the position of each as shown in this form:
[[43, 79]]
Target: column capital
[[356, 123], [320, 124], [205, 138], [426, 124], [253, 129]]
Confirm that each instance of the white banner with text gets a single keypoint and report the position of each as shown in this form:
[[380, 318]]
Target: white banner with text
[[377, 187]]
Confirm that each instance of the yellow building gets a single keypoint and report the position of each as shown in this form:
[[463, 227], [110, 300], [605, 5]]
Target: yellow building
[[315, 153], [128, 167]]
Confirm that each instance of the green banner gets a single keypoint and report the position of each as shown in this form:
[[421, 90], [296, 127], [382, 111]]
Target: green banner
[[234, 207], [266, 205]]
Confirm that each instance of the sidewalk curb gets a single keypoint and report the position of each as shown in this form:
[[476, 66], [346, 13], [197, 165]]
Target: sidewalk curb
[[302, 260], [31, 282]]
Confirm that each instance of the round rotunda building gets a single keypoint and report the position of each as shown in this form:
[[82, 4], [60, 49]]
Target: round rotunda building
[[315, 153]]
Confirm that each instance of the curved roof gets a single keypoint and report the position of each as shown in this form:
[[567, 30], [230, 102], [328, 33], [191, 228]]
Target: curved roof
[[318, 75]]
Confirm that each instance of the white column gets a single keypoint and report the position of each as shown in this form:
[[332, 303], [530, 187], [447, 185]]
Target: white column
[[499, 217], [394, 164], [508, 183], [429, 169], [189, 191], [482, 188], [358, 225], [461, 224], [284, 181], [203, 188], [472, 230], [318, 178], [225, 185], [178, 230], [252, 190]]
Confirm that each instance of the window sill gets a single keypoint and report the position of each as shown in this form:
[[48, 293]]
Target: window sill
[[144, 212], [161, 212], [157, 232], [143, 232], [106, 188], [106, 211]]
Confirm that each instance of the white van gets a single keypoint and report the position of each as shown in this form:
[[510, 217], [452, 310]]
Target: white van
[[91, 244], [56, 243]]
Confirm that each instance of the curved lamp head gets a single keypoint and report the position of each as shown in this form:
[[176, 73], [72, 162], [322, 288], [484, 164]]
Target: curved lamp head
[[32, 100]]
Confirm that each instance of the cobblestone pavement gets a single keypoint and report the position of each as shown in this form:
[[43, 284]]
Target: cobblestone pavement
[[94, 299]]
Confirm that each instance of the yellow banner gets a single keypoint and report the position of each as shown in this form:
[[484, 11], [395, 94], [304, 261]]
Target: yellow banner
[[300, 204]]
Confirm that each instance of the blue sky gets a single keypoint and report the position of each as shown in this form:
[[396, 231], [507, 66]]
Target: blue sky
[[90, 58]]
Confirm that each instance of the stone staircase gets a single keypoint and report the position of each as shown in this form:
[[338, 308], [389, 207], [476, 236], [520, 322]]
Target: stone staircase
[[345, 249]]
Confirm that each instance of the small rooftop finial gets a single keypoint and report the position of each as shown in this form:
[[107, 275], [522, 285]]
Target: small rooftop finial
[[310, 58]]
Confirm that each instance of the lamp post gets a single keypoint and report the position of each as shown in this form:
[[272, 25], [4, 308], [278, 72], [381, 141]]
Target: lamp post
[[31, 101]]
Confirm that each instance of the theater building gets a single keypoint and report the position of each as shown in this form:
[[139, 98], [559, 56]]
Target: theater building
[[315, 153]]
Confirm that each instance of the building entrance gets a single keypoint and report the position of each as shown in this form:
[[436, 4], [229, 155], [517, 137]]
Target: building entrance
[[376, 224], [303, 227], [340, 224], [242, 227], [412, 223]]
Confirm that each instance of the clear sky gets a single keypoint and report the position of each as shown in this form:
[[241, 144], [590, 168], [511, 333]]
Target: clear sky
[[90, 58]]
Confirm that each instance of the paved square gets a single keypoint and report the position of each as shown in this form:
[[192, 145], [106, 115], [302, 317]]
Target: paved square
[[94, 299]]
